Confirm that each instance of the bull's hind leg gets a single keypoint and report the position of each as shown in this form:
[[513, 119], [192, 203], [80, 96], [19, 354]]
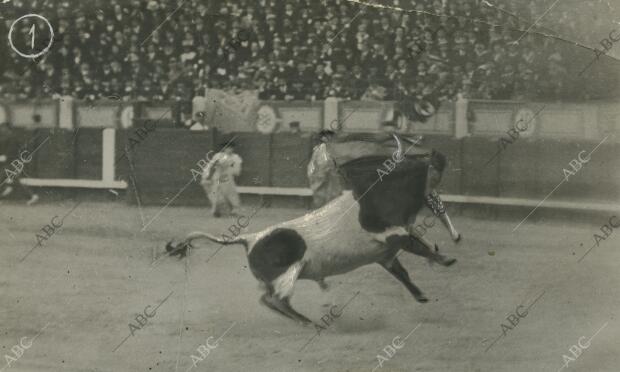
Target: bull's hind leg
[[282, 306], [399, 272], [288, 309], [283, 290], [267, 300], [277, 260]]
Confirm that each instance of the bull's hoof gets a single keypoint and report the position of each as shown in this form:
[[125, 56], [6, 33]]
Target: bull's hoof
[[443, 260], [421, 298], [457, 238], [308, 324]]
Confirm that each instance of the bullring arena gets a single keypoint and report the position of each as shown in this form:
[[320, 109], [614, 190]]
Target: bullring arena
[[97, 273], [111, 114]]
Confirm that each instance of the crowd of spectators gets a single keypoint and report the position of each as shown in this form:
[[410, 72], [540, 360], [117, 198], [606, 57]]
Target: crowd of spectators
[[298, 50]]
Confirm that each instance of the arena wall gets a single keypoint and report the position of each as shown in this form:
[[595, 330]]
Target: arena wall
[[481, 163]]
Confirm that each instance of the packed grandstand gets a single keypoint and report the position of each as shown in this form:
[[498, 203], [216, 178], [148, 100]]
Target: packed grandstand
[[311, 50]]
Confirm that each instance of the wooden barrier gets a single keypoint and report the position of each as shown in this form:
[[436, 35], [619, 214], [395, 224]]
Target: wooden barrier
[[560, 121], [525, 170], [20, 113]]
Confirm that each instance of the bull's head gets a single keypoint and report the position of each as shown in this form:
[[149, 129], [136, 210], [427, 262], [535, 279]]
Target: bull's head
[[389, 176]]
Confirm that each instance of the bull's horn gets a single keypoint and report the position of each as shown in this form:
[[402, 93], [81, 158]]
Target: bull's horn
[[399, 152]]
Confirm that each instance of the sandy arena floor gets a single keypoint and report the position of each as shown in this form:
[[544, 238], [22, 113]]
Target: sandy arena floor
[[88, 281]]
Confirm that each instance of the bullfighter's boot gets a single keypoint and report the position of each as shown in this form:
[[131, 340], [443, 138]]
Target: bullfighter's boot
[[434, 203]]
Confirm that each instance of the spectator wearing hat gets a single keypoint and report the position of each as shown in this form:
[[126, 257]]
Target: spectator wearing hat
[[264, 88], [321, 76], [374, 92], [378, 57], [364, 56], [218, 180], [358, 83], [480, 55], [298, 91], [402, 71], [282, 91], [315, 33], [271, 27], [316, 92], [461, 53], [337, 88]]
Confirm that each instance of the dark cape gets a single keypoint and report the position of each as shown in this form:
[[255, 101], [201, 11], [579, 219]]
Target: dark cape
[[390, 192]]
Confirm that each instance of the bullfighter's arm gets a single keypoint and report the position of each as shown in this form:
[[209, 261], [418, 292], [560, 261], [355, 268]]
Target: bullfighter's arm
[[210, 168]]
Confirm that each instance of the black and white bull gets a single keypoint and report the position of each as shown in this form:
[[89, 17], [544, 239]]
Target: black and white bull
[[369, 224]]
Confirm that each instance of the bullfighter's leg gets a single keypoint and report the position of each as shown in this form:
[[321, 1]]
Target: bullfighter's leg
[[211, 189], [435, 204], [399, 272], [230, 194]]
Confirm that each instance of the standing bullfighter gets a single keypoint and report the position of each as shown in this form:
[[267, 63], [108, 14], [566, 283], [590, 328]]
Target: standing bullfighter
[[218, 180], [323, 176]]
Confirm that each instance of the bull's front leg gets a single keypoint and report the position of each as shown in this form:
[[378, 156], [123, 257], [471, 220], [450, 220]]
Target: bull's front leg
[[395, 268], [416, 244]]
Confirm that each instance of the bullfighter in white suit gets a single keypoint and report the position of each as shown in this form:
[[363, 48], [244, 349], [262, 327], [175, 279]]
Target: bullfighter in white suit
[[218, 180]]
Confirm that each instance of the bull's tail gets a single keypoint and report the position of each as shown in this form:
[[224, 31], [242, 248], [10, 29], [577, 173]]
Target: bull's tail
[[180, 249], [225, 241]]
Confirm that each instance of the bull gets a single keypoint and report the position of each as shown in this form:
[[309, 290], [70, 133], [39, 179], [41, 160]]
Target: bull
[[371, 223]]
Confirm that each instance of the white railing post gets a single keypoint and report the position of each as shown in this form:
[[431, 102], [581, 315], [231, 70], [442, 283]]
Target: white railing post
[[65, 113], [330, 114], [460, 117], [108, 144]]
